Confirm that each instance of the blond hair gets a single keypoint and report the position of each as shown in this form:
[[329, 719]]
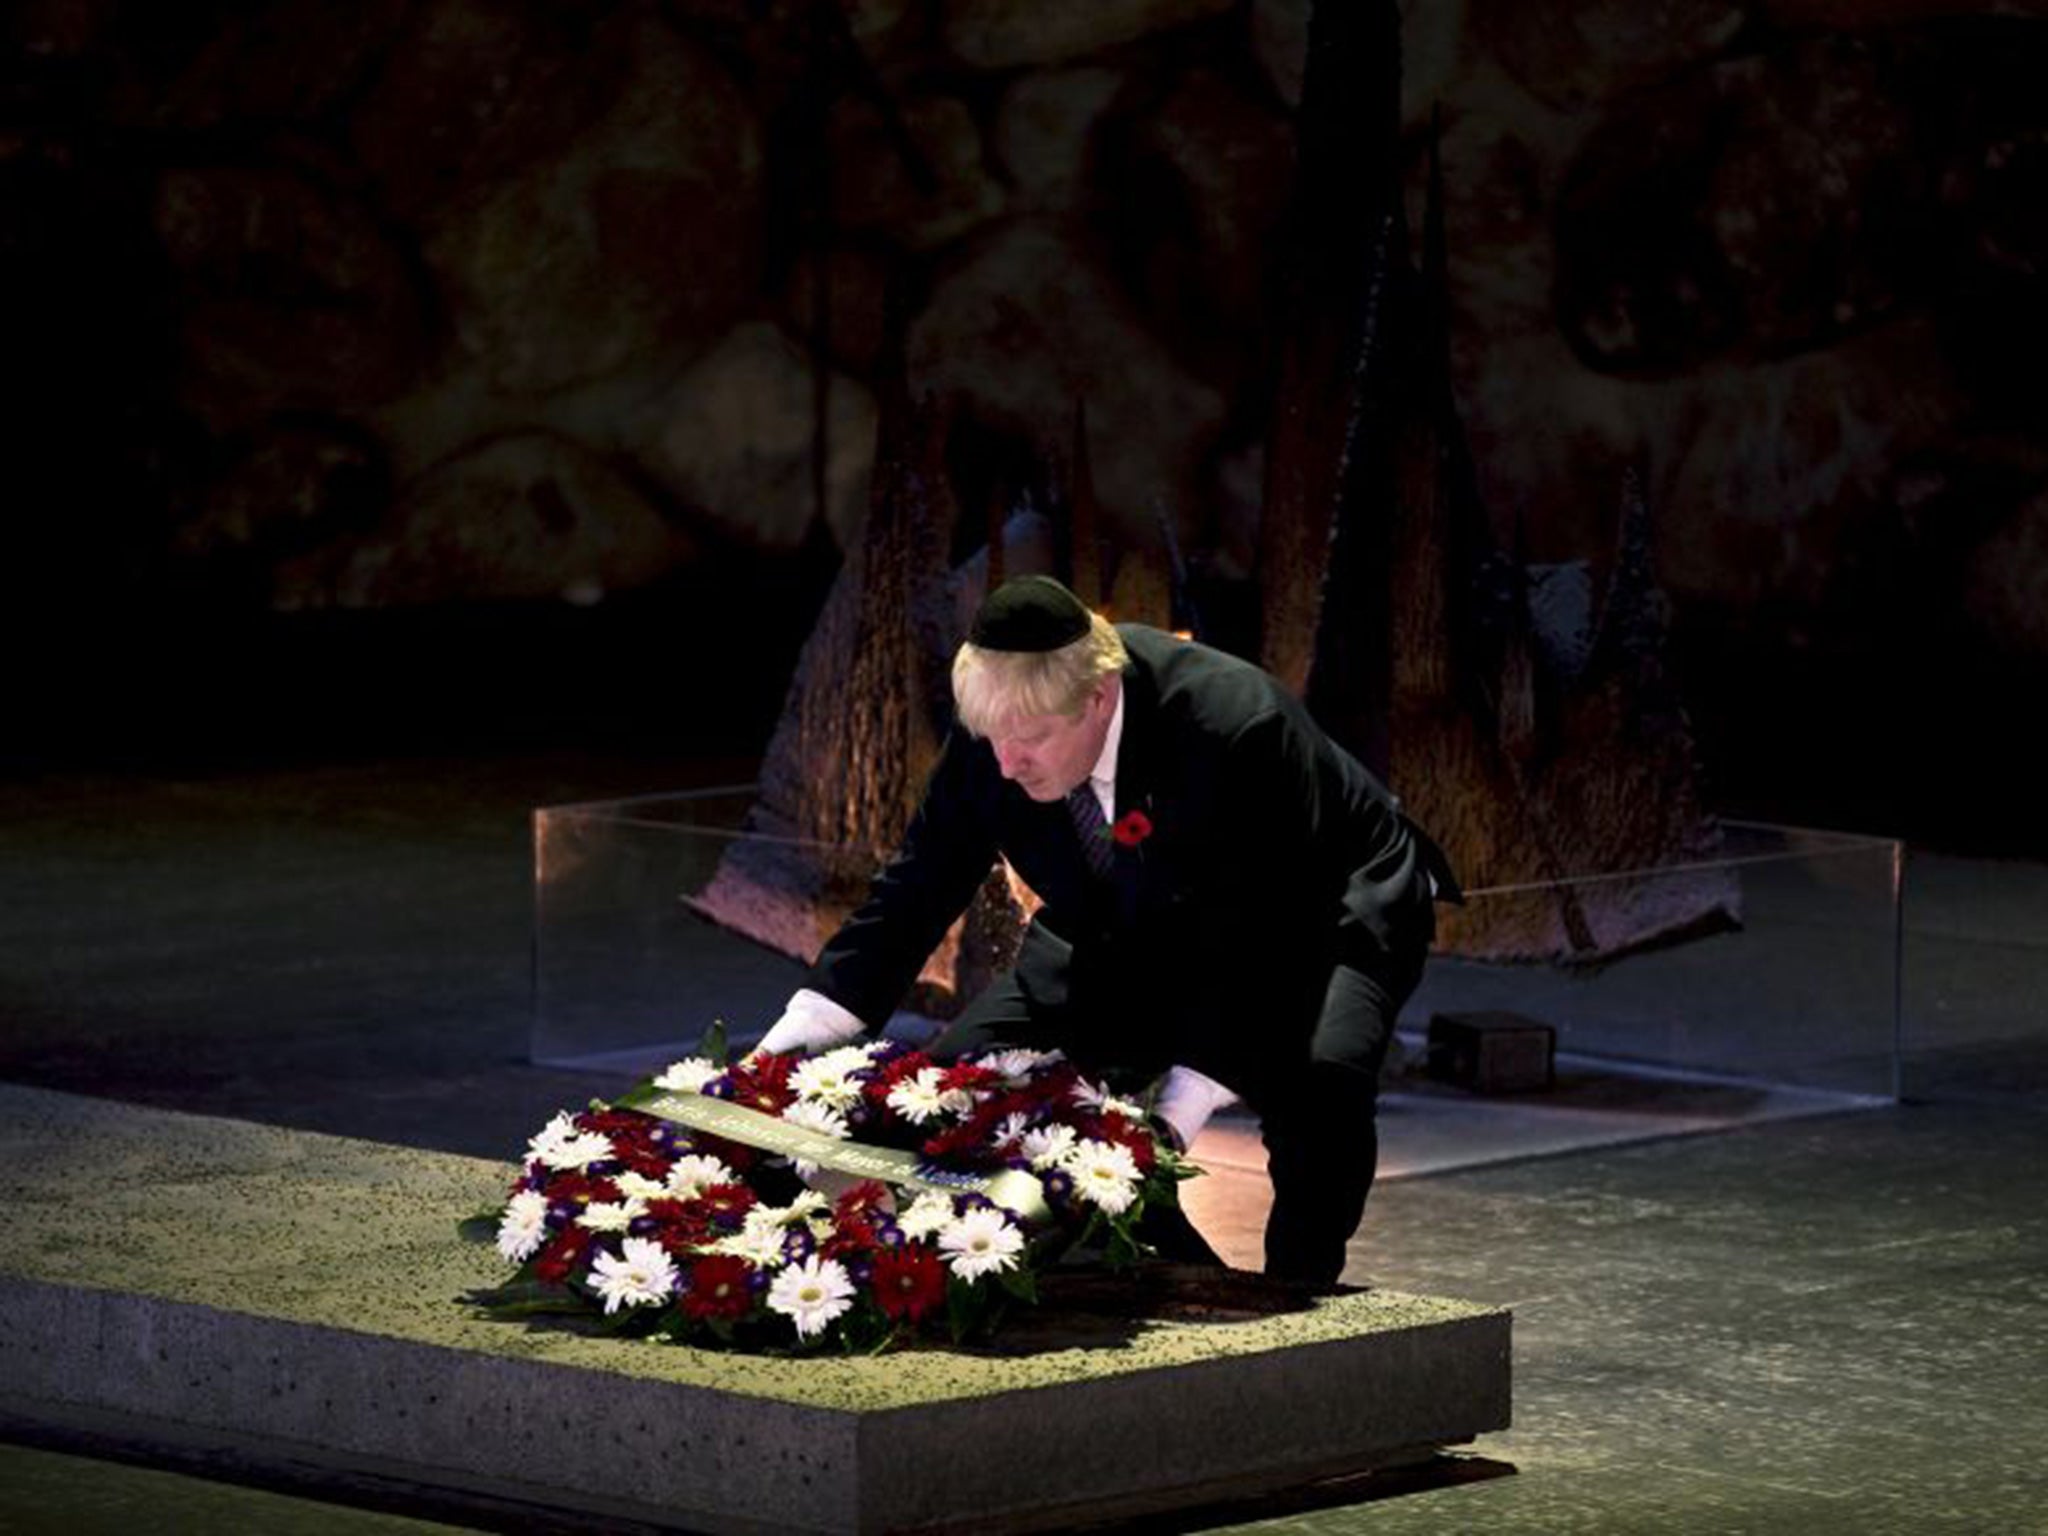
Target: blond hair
[[993, 689]]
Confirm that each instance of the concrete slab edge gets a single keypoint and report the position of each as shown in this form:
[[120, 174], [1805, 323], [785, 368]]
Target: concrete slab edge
[[582, 1439], [1113, 1447], [662, 1453]]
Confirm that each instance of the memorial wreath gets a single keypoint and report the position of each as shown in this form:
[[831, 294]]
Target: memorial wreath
[[857, 1198]]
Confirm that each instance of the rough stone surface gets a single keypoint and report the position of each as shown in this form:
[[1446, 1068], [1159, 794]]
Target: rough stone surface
[[1796, 14], [1759, 206], [283, 60], [1784, 458], [1231, 163], [1027, 327], [1432, 34], [475, 90], [733, 441], [295, 484], [1002, 34], [876, 190], [2006, 581], [439, 221], [526, 516], [1044, 128], [146, 1280], [573, 266], [1574, 54], [249, 247], [857, 280]]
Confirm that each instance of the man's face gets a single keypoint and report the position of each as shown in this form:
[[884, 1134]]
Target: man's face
[[1049, 755]]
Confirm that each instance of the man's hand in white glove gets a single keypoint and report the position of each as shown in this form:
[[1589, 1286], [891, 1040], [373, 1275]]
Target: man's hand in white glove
[[1186, 1101], [810, 1022]]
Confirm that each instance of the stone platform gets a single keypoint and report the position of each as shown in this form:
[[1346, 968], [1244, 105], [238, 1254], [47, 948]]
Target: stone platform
[[293, 1297]]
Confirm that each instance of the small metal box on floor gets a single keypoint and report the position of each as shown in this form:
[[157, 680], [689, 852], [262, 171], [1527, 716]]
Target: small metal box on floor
[[1492, 1052]]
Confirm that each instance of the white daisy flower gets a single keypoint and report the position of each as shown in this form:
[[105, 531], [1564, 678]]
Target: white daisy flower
[[931, 1212], [1018, 1064], [608, 1216], [811, 1294], [688, 1075], [639, 1276], [758, 1241], [1104, 1174], [822, 1080], [1092, 1095], [808, 1203], [547, 1143], [917, 1098], [1047, 1145], [1012, 1129], [578, 1151], [849, 1058], [814, 1115], [523, 1227], [690, 1176], [637, 1186], [959, 1101], [1124, 1107], [983, 1242]]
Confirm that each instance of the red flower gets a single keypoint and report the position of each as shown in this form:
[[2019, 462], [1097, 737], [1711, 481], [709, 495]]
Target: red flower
[[969, 1076], [1131, 829], [719, 1287], [861, 1200], [563, 1253], [578, 1189], [723, 1205], [763, 1083], [1133, 1137], [851, 1234], [890, 1073], [736, 1155], [684, 1224], [908, 1281]]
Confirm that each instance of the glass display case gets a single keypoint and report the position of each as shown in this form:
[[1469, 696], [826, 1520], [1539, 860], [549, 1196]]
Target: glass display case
[[1793, 977]]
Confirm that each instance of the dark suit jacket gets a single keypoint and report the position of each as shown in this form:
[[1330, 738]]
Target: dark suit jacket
[[1274, 860]]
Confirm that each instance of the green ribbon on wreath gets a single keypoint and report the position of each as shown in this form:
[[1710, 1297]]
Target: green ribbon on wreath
[[1011, 1187]]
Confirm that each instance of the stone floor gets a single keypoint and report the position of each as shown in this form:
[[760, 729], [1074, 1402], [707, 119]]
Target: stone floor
[[1826, 1325]]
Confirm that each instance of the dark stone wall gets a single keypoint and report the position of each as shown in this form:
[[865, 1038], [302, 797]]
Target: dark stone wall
[[449, 364]]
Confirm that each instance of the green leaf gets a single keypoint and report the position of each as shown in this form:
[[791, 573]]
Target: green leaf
[[967, 1308], [480, 1228], [527, 1298], [715, 1046], [1124, 1249], [1020, 1283]]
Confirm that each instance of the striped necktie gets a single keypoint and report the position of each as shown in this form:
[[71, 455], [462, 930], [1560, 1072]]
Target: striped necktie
[[1096, 846]]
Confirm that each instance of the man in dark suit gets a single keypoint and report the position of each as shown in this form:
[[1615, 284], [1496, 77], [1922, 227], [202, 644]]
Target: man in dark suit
[[1233, 907]]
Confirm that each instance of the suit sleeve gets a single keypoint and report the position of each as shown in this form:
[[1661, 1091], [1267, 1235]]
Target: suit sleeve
[[1339, 838], [945, 855]]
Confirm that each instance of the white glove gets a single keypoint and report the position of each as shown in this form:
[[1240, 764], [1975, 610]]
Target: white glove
[[1186, 1101], [810, 1021]]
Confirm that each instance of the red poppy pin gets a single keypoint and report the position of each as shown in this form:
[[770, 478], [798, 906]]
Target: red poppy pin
[[1131, 829]]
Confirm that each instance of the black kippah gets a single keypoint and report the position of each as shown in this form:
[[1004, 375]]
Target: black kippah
[[1029, 613]]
